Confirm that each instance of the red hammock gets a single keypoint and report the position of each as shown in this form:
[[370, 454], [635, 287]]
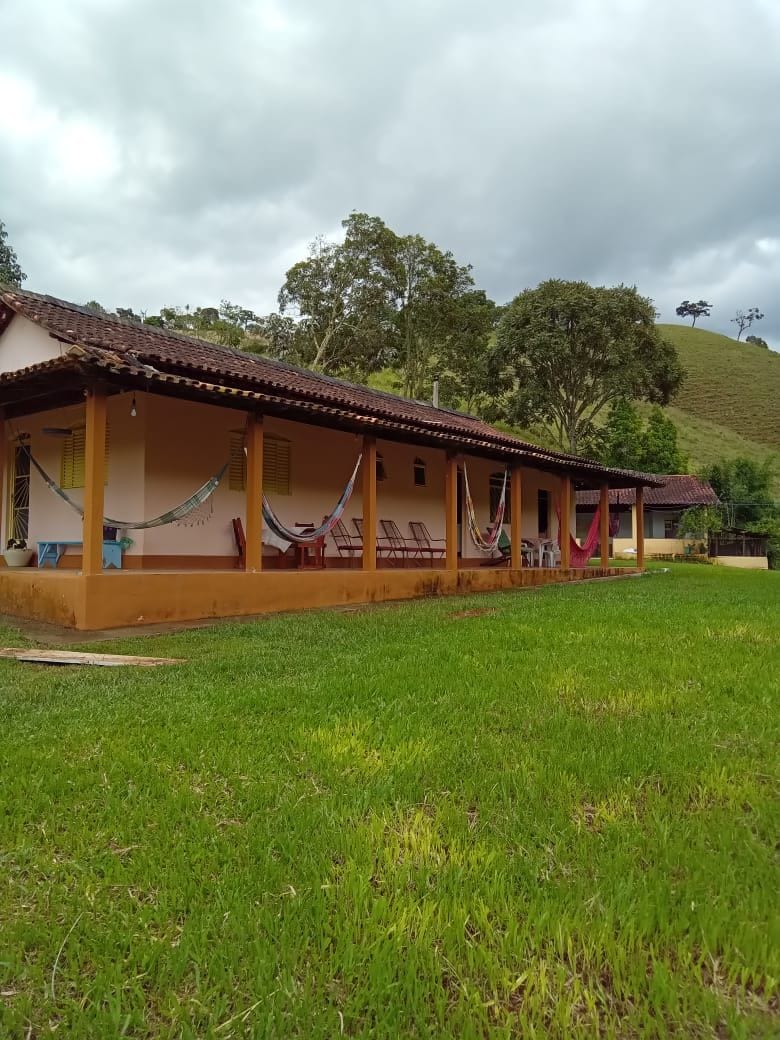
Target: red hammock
[[580, 554]]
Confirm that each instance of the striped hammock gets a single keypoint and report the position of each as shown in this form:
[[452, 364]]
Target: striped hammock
[[177, 513], [308, 537], [480, 541]]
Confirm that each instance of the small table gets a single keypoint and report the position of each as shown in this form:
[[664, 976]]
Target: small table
[[310, 555], [52, 552]]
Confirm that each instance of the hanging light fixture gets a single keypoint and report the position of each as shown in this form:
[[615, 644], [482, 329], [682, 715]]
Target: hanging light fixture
[[133, 409]]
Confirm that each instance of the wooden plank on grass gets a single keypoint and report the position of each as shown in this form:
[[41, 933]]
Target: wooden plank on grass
[[78, 657]]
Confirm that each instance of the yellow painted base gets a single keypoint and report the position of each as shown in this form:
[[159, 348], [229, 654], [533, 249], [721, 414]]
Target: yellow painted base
[[116, 599]]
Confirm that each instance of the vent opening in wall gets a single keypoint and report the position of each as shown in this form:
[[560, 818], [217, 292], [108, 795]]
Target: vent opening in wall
[[419, 473]]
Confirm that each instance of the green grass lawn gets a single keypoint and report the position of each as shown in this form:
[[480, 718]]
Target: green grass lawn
[[541, 814]]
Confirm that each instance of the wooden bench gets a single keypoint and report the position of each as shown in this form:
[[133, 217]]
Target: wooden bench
[[51, 552]]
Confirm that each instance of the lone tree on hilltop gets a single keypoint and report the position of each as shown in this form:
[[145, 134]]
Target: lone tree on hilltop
[[688, 309], [757, 341], [745, 319], [568, 350], [10, 271]]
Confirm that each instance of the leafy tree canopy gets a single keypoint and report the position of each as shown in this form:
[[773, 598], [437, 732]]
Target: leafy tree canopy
[[744, 319], [378, 300], [11, 272], [569, 350], [688, 309], [628, 443]]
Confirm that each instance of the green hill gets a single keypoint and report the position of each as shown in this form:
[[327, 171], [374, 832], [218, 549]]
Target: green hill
[[733, 385], [729, 404]]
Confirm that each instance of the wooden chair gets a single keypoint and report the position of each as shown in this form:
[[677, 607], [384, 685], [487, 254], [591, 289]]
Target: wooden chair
[[346, 546], [240, 539], [403, 548], [428, 546]]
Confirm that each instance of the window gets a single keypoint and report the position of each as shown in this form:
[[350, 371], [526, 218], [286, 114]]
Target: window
[[73, 458], [543, 510], [19, 513], [672, 525], [419, 473], [496, 485], [381, 472], [276, 464]]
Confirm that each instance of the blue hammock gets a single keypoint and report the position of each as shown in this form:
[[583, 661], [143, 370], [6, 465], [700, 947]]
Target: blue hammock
[[308, 537]]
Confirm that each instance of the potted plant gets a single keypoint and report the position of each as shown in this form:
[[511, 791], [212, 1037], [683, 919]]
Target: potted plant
[[16, 553]]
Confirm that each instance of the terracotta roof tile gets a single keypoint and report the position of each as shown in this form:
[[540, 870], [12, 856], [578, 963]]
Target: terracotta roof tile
[[176, 354], [679, 489]]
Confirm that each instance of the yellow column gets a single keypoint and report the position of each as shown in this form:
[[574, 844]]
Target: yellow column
[[94, 481], [640, 528], [565, 527], [604, 525], [254, 493], [451, 511], [516, 523], [369, 503]]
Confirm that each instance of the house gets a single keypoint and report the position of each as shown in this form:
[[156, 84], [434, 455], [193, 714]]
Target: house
[[175, 437], [663, 510]]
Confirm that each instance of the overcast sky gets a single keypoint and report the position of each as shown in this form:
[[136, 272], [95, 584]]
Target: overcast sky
[[159, 152]]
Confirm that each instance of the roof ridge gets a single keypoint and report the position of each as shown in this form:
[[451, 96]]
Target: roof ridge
[[172, 350]]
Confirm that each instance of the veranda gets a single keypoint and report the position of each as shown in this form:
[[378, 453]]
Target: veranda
[[145, 452]]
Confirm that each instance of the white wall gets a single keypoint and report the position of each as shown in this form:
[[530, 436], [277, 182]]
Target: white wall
[[24, 343]]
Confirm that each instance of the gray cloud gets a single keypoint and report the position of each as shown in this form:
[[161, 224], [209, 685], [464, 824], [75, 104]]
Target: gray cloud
[[169, 153]]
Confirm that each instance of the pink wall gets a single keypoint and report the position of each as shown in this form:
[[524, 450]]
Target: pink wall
[[50, 517], [170, 448]]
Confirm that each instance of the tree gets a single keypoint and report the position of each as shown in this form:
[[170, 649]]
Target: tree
[[688, 309], [441, 321], [744, 488], [660, 450], [464, 360], [757, 341], [623, 437], [745, 319], [380, 299], [628, 443], [572, 349], [342, 295], [11, 272]]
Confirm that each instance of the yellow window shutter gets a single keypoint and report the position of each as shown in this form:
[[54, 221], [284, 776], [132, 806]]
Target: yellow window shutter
[[237, 468], [73, 461], [276, 465]]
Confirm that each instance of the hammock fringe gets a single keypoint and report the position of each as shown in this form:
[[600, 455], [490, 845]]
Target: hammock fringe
[[177, 513]]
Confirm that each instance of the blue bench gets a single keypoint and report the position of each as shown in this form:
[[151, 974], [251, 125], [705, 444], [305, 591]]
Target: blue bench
[[52, 552]]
